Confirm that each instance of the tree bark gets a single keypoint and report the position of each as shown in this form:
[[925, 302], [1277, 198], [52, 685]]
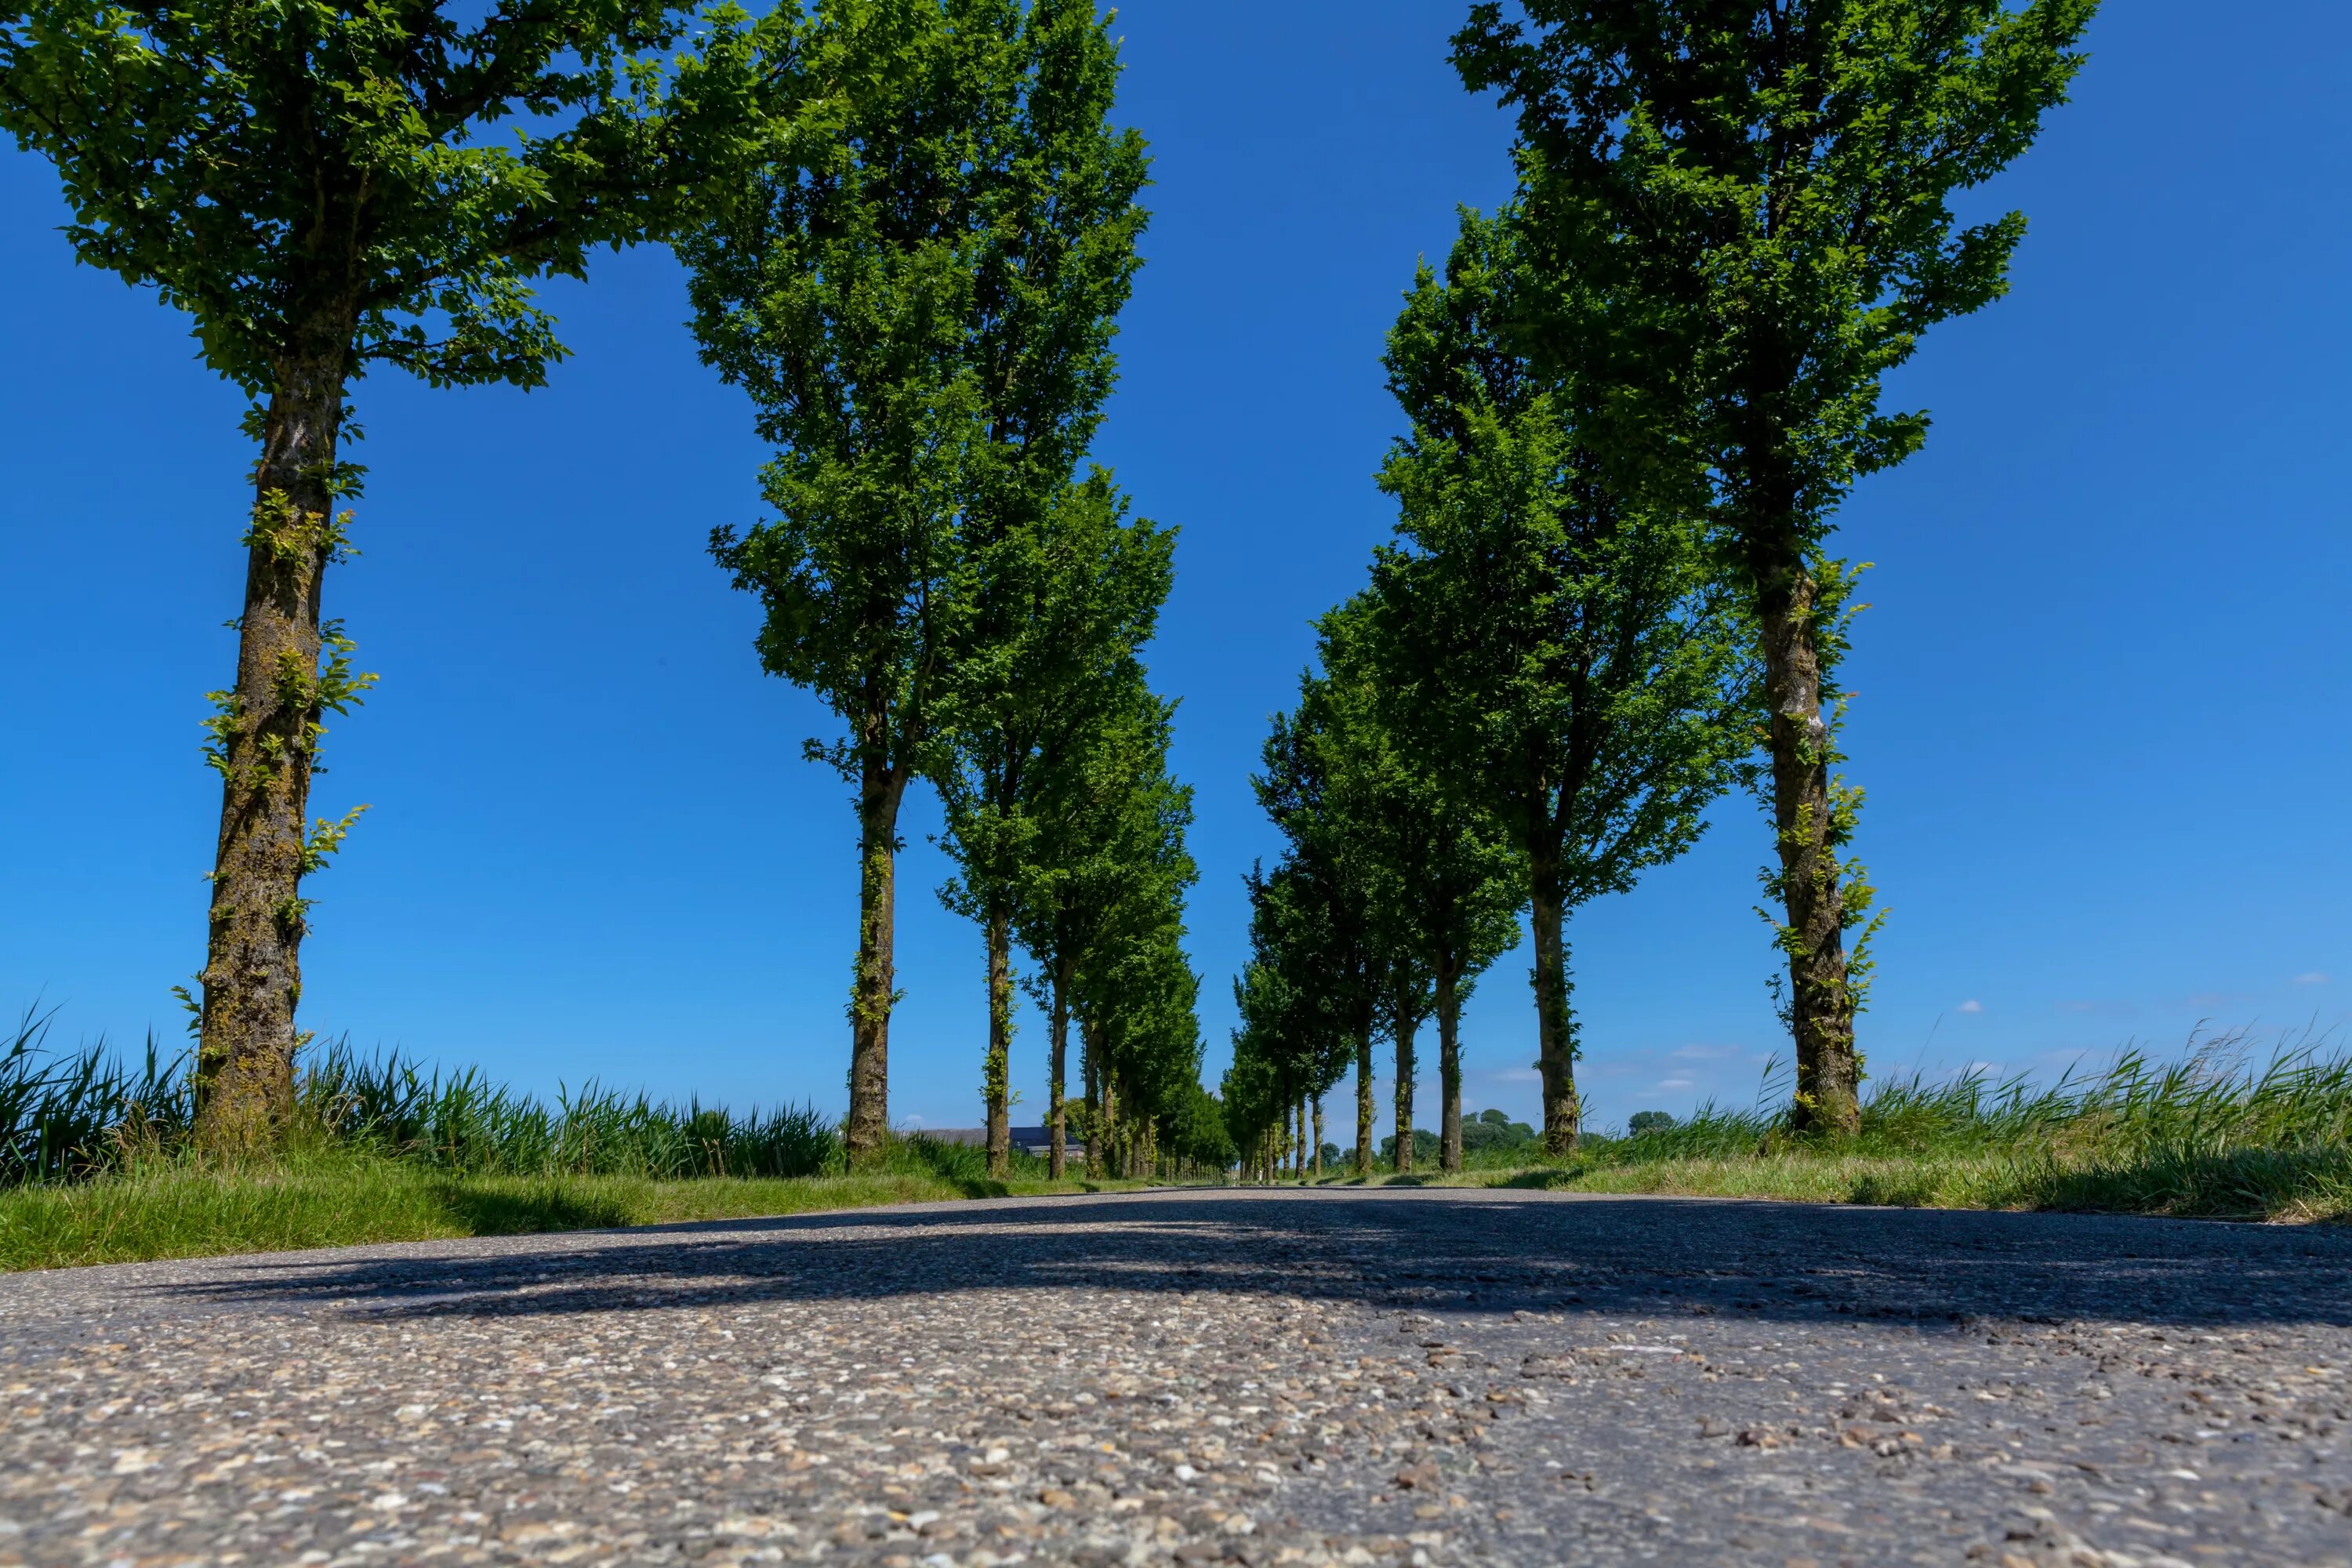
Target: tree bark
[[1364, 1100], [1555, 1022], [1318, 1137], [1090, 1068], [266, 751], [997, 1072], [880, 788], [1821, 995], [1057, 1068], [1402, 1026], [1449, 1069]]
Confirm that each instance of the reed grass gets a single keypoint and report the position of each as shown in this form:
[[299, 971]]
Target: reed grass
[[2221, 1132]]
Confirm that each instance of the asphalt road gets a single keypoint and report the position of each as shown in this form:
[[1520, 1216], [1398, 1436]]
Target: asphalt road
[[1397, 1376]]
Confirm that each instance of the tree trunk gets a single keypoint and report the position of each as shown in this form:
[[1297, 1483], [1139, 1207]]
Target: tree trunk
[[1402, 1026], [996, 1075], [265, 748], [1318, 1137], [1364, 1100], [1056, 1067], [1449, 1069], [1107, 1121], [1090, 1069], [1555, 1020], [1821, 995], [880, 789]]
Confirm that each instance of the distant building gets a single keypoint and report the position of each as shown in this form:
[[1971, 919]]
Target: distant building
[[1037, 1141]]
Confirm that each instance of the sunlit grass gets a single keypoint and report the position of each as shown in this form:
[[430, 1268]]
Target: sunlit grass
[[181, 1208], [2214, 1134]]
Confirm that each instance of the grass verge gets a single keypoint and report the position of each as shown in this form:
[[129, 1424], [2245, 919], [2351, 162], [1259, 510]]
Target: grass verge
[[2297, 1185], [178, 1210]]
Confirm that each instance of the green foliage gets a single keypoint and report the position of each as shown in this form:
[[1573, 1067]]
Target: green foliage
[[313, 176], [1553, 643], [1643, 1122], [1769, 190], [70, 1116], [1736, 220]]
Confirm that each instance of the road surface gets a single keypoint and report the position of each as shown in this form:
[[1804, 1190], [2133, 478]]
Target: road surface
[[1399, 1376]]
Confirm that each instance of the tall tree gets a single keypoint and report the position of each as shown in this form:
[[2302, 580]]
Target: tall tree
[[1562, 662], [1062, 602], [1768, 184], [313, 184], [1446, 882], [1137, 999], [1103, 856], [1320, 901], [841, 287], [1053, 604]]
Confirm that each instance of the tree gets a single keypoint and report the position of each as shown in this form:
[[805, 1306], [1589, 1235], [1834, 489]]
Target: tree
[[1103, 859], [1304, 1011], [312, 184], [1768, 186], [1056, 591], [1137, 1002], [1065, 598], [1558, 654], [1321, 903], [851, 286], [1447, 884]]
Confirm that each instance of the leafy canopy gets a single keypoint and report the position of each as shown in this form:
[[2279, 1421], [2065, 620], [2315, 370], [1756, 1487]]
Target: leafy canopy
[[308, 177]]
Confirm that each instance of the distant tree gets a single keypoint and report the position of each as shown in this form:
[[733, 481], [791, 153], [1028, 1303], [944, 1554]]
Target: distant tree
[[1762, 192], [1299, 1024], [1444, 882], [1055, 593], [1319, 911], [315, 184], [1048, 682], [872, 285], [1649, 1122], [1559, 657], [1104, 860]]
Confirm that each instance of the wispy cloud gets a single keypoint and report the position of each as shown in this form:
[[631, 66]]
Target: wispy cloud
[[1674, 1083], [1971, 1005], [2313, 978]]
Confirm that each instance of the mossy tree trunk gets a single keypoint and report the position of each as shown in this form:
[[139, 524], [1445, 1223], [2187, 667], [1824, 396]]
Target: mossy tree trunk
[[998, 1069], [1449, 1069], [1402, 1026], [1805, 829], [1555, 1022], [264, 747], [1057, 1060], [881, 787]]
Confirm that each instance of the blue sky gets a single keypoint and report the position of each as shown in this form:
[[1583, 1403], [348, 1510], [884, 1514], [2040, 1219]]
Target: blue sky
[[2100, 700]]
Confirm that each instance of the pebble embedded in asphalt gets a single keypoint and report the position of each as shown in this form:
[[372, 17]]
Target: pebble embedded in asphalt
[[1260, 1376]]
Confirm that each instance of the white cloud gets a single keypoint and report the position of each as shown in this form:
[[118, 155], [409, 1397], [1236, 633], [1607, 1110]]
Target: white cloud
[[2313, 978], [1971, 1005], [1674, 1083]]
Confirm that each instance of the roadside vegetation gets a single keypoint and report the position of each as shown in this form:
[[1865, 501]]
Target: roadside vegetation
[[2216, 1134], [101, 1161]]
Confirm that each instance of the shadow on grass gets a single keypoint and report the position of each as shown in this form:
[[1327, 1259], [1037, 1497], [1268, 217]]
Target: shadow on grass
[[2238, 1185], [490, 1211]]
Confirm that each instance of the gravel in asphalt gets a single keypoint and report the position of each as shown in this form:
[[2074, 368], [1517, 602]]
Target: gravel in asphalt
[[1393, 1376]]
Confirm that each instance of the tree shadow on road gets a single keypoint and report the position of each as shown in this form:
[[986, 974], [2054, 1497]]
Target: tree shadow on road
[[1442, 1249]]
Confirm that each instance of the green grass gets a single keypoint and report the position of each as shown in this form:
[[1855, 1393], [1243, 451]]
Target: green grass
[[179, 1209], [95, 1165], [2212, 1135]]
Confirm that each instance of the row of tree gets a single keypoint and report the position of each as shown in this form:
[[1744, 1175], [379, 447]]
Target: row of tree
[[1634, 401], [909, 225]]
